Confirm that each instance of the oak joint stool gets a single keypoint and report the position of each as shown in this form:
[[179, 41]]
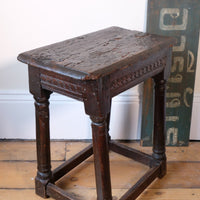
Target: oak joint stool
[[94, 68]]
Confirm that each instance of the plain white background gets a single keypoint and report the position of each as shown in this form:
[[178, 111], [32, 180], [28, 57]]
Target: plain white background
[[28, 24]]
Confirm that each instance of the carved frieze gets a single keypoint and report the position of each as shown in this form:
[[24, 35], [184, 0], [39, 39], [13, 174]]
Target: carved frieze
[[61, 86], [124, 80]]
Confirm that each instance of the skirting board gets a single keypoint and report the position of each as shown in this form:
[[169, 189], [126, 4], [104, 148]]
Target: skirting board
[[68, 119]]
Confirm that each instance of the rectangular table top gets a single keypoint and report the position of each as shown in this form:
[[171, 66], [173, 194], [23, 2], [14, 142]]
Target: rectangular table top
[[97, 54]]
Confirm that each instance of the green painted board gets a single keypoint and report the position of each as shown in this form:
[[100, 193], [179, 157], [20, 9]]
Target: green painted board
[[180, 19]]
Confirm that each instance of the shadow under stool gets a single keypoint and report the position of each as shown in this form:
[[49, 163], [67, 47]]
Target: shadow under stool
[[93, 68]]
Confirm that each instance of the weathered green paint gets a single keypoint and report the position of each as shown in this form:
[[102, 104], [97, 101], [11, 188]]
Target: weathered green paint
[[180, 19]]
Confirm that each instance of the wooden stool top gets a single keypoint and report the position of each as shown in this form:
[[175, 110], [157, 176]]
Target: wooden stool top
[[97, 54]]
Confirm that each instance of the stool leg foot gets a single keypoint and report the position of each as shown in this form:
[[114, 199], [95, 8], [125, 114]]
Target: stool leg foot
[[40, 187], [43, 144], [101, 158], [159, 122]]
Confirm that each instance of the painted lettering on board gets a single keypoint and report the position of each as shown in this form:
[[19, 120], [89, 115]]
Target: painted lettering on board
[[176, 19]]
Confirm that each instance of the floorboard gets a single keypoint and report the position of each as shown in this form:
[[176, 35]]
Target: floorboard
[[18, 169]]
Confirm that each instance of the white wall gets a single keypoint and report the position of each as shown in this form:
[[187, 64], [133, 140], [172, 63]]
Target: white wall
[[195, 125], [197, 79], [29, 24], [25, 25]]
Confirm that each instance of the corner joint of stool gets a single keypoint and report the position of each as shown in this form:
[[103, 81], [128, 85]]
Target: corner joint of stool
[[41, 187]]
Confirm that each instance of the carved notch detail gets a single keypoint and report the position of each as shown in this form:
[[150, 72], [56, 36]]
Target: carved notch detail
[[137, 74]]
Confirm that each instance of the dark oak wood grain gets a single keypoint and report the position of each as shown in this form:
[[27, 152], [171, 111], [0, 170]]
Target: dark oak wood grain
[[146, 180], [96, 54], [71, 163], [94, 68], [132, 153], [159, 119]]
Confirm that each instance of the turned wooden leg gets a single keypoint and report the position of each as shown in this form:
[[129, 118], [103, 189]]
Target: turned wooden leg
[[101, 157], [108, 126], [159, 122], [43, 143]]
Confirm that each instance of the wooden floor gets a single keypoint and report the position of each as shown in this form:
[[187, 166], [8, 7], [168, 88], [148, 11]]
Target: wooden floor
[[18, 169]]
